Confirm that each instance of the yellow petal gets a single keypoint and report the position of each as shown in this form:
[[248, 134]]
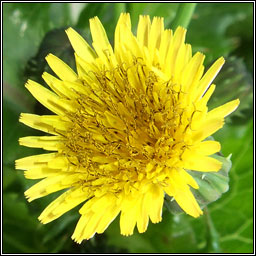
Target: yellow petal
[[80, 46], [185, 200], [97, 214], [49, 99], [114, 121], [154, 202], [203, 101], [188, 179], [223, 110], [208, 127], [34, 161], [209, 77], [78, 235], [62, 204], [131, 45], [98, 32], [60, 68], [124, 20], [101, 44], [201, 163], [207, 147], [142, 217], [60, 87], [54, 83], [46, 186], [91, 227], [183, 57], [192, 72], [107, 218], [128, 216], [214, 120], [155, 34], [143, 30], [40, 172], [111, 210], [50, 124], [181, 63], [177, 42], [59, 162], [45, 142], [164, 45], [182, 194], [84, 70]]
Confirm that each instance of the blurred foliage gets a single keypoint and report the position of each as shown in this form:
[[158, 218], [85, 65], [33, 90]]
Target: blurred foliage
[[235, 75], [32, 30]]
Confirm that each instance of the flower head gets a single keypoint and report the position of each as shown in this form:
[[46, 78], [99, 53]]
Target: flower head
[[126, 127]]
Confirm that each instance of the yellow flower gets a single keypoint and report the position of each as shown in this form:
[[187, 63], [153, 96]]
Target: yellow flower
[[126, 127]]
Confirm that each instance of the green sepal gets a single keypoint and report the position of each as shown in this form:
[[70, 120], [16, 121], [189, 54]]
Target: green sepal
[[211, 186]]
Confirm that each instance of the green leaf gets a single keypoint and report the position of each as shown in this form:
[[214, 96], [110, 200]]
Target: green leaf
[[18, 226], [208, 28], [242, 30], [60, 15], [25, 24], [233, 214]]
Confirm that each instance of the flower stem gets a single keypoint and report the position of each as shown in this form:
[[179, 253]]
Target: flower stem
[[183, 15], [212, 240]]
